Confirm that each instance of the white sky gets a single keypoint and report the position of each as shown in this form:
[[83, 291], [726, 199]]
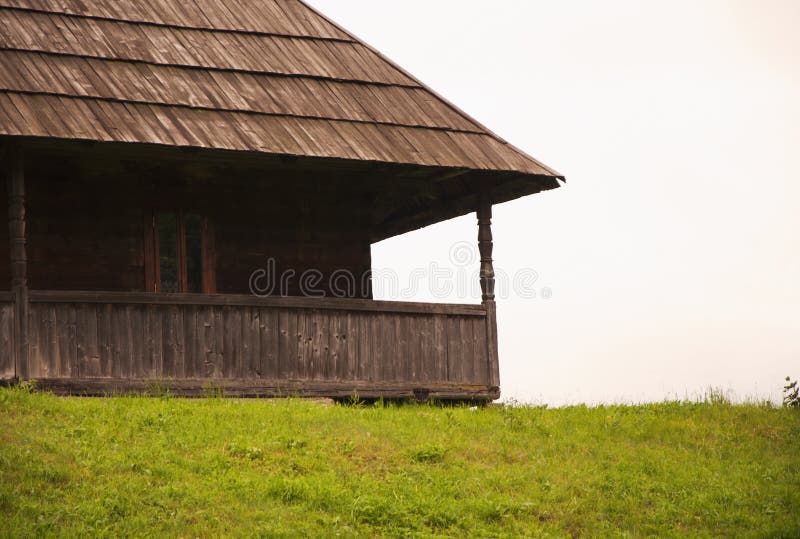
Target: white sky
[[673, 252]]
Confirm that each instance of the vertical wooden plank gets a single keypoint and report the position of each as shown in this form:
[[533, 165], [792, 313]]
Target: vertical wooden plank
[[377, 340], [491, 343], [81, 323], [365, 357], [249, 343], [148, 343], [319, 345], [338, 351], [351, 337], [120, 341], [270, 343], [169, 342], [296, 343], [388, 343], [419, 340], [480, 359], [88, 341], [256, 360], [104, 339], [402, 325], [219, 336], [245, 319], [305, 332], [136, 338], [233, 341], [68, 340], [55, 341], [154, 330], [454, 352], [411, 336], [440, 347], [49, 340], [6, 341], [192, 362], [284, 346], [228, 356], [235, 330], [467, 349], [179, 370], [209, 334], [275, 343], [327, 331], [35, 368]]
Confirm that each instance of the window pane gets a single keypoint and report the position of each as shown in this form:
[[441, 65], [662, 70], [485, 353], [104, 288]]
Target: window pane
[[168, 252], [194, 252]]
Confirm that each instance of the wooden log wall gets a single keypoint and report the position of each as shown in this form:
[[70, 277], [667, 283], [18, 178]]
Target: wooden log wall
[[283, 346], [85, 219]]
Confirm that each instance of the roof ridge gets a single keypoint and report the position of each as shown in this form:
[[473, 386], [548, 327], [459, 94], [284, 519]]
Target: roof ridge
[[424, 86], [177, 26], [239, 111]]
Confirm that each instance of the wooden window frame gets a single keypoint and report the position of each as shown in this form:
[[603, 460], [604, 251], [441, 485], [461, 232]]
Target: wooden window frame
[[152, 253]]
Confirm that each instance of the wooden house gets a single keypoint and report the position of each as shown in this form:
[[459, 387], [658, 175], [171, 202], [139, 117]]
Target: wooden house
[[157, 153]]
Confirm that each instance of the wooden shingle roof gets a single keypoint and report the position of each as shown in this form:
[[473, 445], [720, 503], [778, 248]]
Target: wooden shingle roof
[[269, 76]]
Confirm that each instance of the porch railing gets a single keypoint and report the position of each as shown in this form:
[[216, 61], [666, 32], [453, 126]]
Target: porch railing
[[90, 342]]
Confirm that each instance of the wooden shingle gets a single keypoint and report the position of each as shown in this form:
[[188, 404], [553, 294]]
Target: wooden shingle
[[270, 76]]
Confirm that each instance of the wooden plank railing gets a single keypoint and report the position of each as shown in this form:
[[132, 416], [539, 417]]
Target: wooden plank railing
[[248, 345]]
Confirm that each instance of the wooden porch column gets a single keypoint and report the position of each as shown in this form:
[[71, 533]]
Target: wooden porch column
[[485, 246], [15, 180]]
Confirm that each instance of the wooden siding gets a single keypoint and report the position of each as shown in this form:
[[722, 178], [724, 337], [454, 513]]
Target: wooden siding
[[298, 344], [6, 336]]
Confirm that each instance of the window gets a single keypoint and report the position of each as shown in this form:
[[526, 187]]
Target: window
[[179, 253]]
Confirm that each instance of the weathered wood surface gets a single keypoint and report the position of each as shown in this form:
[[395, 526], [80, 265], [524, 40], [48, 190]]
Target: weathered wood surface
[[6, 336], [14, 172], [487, 276], [95, 387], [132, 78], [88, 233], [241, 300], [254, 346]]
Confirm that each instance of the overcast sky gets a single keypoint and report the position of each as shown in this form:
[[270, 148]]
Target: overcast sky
[[673, 252]]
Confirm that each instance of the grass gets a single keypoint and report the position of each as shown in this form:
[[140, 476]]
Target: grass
[[135, 466]]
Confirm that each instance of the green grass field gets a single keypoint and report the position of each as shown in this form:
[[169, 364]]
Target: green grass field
[[129, 466]]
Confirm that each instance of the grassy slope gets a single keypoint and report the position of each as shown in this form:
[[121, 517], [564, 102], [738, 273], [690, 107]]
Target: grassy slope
[[134, 466]]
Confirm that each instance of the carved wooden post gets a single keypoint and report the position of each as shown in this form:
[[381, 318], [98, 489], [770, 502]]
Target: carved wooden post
[[19, 260], [485, 247]]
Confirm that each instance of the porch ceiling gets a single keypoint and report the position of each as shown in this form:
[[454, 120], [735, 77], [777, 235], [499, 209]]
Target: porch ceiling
[[396, 198]]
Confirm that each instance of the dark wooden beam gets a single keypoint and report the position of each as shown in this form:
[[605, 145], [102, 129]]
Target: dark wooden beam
[[239, 300], [270, 388], [15, 180]]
